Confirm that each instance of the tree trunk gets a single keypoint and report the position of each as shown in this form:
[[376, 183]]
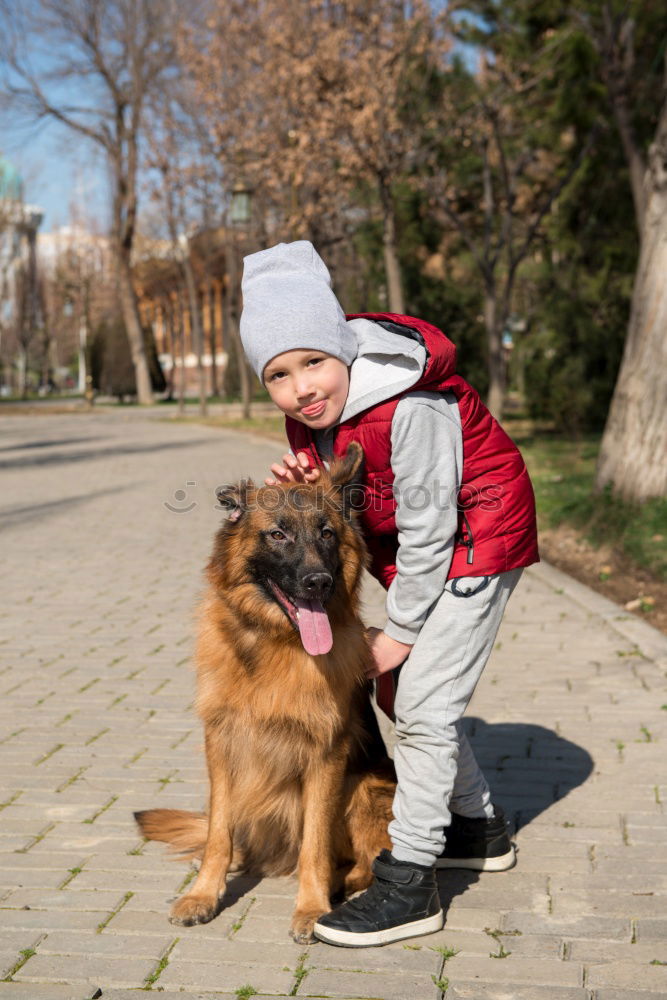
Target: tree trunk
[[22, 381], [633, 454], [244, 372], [168, 326], [195, 320], [616, 47], [226, 336], [181, 348], [496, 360], [130, 312], [209, 295], [245, 376], [392, 265]]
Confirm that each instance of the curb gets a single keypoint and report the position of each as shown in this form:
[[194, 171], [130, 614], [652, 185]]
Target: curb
[[649, 641]]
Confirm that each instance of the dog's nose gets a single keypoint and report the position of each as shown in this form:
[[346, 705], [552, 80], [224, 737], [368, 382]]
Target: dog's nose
[[317, 585]]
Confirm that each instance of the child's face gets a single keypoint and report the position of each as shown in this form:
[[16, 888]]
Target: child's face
[[308, 385]]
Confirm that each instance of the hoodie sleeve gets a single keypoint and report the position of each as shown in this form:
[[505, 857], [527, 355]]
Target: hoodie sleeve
[[427, 461]]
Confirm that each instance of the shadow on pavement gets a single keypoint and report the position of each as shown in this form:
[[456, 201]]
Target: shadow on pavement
[[20, 515], [528, 767], [92, 453], [49, 443]]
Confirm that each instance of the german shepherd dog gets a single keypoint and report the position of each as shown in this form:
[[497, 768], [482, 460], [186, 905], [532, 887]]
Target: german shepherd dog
[[299, 780]]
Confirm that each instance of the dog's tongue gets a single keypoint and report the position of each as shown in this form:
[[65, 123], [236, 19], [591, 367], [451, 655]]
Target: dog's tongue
[[314, 627]]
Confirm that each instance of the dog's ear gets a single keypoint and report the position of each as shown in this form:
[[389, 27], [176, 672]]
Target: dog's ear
[[235, 498], [347, 476], [349, 469]]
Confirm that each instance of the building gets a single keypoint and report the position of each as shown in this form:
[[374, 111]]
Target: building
[[21, 319], [79, 290], [167, 278]]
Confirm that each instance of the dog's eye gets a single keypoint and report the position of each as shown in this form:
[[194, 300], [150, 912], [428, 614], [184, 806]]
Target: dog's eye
[[327, 533], [278, 535]]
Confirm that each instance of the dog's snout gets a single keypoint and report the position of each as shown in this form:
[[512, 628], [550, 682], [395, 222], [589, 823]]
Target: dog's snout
[[317, 585]]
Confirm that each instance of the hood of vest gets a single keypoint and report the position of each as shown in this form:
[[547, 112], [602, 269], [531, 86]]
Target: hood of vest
[[391, 359]]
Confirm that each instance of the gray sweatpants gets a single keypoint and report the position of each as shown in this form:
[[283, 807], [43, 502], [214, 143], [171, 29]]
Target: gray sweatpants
[[437, 771]]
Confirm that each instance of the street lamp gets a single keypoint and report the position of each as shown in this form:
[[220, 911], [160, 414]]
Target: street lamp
[[241, 205]]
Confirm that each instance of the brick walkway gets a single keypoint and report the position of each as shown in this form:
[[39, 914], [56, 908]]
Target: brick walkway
[[100, 579]]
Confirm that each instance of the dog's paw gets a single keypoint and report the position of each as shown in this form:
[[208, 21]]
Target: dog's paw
[[191, 909], [301, 929]]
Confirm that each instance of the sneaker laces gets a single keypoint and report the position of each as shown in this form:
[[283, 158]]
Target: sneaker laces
[[376, 895]]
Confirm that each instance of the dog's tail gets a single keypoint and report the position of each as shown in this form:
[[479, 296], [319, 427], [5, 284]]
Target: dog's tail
[[185, 832]]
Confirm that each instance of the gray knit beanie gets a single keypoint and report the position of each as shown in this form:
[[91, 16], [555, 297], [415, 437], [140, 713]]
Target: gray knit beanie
[[288, 304]]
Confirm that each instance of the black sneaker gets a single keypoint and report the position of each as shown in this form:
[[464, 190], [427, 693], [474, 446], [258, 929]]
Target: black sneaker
[[480, 844], [401, 902]]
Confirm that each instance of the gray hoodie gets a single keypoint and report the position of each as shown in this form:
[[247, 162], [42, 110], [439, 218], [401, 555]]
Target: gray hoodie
[[427, 461]]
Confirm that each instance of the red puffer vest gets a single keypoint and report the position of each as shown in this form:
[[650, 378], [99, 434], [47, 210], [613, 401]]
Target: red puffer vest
[[497, 529]]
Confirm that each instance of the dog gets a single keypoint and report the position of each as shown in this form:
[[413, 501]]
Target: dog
[[299, 779]]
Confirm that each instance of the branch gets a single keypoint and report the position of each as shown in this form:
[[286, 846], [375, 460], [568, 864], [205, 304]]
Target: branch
[[44, 108], [516, 258], [505, 237], [459, 225], [89, 35], [487, 200]]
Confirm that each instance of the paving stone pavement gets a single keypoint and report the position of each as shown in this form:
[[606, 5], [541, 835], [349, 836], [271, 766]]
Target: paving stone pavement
[[107, 520]]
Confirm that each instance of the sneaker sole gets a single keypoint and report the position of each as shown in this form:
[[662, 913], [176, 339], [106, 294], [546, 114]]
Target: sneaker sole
[[348, 939], [500, 864]]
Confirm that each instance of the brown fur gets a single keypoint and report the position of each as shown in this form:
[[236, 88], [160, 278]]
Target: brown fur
[[289, 742]]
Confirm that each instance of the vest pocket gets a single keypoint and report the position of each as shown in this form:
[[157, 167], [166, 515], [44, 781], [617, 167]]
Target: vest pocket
[[468, 586]]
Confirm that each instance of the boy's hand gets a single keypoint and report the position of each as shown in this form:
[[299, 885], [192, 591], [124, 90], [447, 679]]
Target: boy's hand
[[388, 653], [293, 470]]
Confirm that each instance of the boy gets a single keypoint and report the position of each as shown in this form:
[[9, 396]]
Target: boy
[[450, 525]]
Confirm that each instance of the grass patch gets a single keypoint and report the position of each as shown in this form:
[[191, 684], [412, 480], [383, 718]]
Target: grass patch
[[441, 983], [563, 473], [35, 840], [48, 754], [300, 974], [443, 950], [243, 992], [103, 923], [102, 809], [72, 779], [73, 872], [10, 800], [187, 880], [25, 954], [238, 923], [151, 979]]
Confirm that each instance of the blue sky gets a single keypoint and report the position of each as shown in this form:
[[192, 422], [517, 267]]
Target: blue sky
[[62, 174]]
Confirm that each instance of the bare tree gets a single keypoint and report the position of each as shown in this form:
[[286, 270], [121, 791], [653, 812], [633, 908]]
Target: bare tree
[[313, 104], [173, 181], [110, 55], [197, 161]]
